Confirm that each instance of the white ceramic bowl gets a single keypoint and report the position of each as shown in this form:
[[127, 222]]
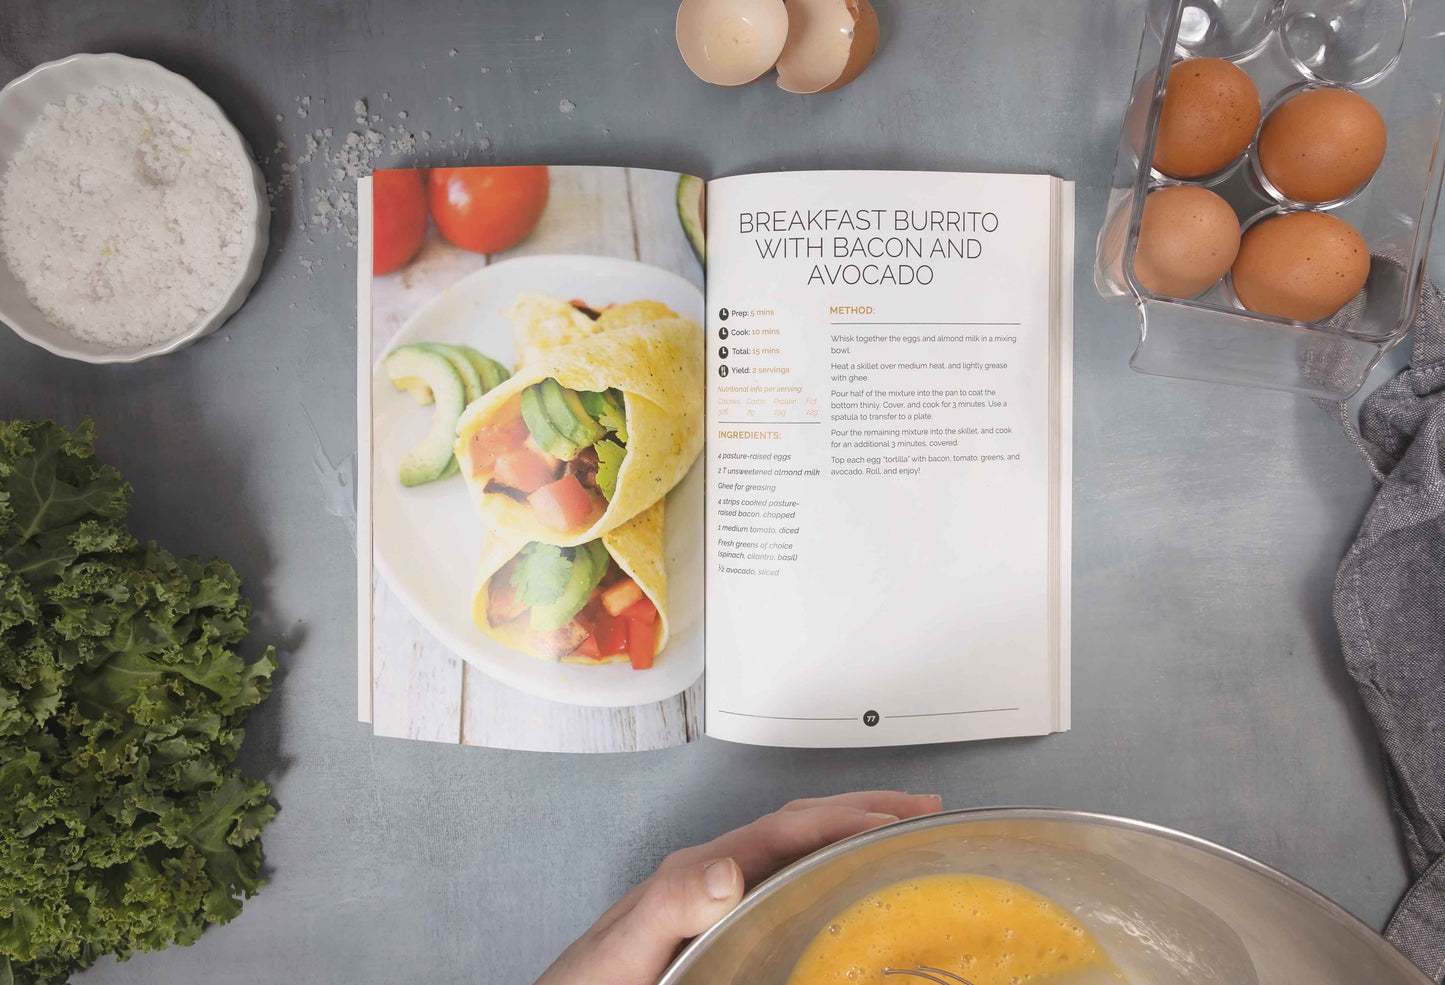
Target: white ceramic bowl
[[21, 103]]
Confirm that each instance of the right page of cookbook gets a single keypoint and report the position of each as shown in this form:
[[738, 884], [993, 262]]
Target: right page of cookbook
[[888, 457]]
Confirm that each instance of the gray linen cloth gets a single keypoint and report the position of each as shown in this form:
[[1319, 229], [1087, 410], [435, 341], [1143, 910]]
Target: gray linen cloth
[[1390, 607]]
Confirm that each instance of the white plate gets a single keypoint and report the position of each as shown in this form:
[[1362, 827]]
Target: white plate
[[427, 539], [22, 102]]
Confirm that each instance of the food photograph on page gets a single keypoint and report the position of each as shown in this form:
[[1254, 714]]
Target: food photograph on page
[[705, 492], [536, 412]]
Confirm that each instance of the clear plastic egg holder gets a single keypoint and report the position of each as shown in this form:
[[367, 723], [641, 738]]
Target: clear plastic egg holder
[[1391, 52]]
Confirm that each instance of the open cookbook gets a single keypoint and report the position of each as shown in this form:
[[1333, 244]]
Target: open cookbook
[[804, 437]]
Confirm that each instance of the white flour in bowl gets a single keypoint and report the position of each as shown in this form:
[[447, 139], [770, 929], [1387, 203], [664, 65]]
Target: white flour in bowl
[[125, 213]]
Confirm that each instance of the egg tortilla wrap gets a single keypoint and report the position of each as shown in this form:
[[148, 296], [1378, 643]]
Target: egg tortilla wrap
[[541, 322], [635, 548], [572, 490]]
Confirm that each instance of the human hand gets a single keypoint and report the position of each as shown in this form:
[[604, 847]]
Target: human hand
[[634, 941]]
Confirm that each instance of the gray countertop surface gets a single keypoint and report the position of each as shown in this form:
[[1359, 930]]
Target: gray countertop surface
[[1208, 688]]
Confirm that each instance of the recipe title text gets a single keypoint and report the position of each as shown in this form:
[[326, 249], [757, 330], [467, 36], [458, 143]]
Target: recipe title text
[[869, 246]]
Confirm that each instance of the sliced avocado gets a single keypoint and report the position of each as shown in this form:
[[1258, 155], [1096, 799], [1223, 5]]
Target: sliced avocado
[[609, 462], [544, 433], [491, 371], [416, 387], [606, 408], [692, 213], [432, 458], [461, 364], [589, 564], [593, 402], [565, 411]]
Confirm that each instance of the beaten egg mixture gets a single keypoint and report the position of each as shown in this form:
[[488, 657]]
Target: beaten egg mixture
[[988, 931]]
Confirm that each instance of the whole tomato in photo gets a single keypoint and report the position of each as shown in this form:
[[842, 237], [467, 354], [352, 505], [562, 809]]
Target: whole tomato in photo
[[487, 210], [398, 218]]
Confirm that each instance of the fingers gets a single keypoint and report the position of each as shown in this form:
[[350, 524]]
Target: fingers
[[747, 844], [634, 941], [804, 826], [781, 838], [882, 801], [679, 902]]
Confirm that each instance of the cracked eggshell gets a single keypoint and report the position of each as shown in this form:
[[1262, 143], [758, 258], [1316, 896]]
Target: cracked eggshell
[[829, 44], [731, 42]]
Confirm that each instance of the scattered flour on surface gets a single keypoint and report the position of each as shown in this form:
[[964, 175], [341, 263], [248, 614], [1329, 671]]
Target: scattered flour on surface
[[124, 214], [323, 169]]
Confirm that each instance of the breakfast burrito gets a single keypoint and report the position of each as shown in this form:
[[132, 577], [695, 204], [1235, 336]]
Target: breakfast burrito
[[541, 322], [590, 431], [601, 602]]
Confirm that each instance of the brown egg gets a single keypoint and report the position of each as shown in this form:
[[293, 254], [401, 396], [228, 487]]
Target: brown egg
[[1322, 144], [1210, 112], [1187, 240], [1301, 265]]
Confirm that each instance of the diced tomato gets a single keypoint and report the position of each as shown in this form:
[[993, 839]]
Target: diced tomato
[[525, 470], [487, 443], [641, 642], [620, 596], [562, 505], [588, 648], [611, 636], [642, 609]]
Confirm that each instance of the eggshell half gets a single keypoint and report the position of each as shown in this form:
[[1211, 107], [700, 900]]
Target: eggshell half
[[830, 43], [731, 42]]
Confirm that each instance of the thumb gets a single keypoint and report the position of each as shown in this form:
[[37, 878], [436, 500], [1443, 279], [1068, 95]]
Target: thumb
[[679, 903]]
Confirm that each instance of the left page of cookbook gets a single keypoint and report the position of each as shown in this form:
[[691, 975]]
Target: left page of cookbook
[[530, 421]]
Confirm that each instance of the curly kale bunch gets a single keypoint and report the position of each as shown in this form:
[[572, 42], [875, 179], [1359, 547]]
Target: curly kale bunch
[[124, 824]]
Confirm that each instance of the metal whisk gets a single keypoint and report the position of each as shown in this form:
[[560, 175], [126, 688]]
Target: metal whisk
[[936, 975]]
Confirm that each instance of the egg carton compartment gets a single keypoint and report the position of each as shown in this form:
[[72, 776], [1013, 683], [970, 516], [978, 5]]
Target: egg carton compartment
[[1287, 47]]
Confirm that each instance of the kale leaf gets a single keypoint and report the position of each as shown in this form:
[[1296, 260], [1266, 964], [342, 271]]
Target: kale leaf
[[124, 824]]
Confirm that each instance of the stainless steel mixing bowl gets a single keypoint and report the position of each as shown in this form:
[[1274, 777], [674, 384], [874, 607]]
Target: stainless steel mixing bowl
[[1170, 909]]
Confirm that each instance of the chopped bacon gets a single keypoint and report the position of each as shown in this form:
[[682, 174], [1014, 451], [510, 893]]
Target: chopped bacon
[[558, 642], [493, 486], [502, 603], [584, 467]]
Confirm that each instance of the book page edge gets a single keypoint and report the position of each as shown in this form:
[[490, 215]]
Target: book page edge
[[1066, 456], [363, 452]]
